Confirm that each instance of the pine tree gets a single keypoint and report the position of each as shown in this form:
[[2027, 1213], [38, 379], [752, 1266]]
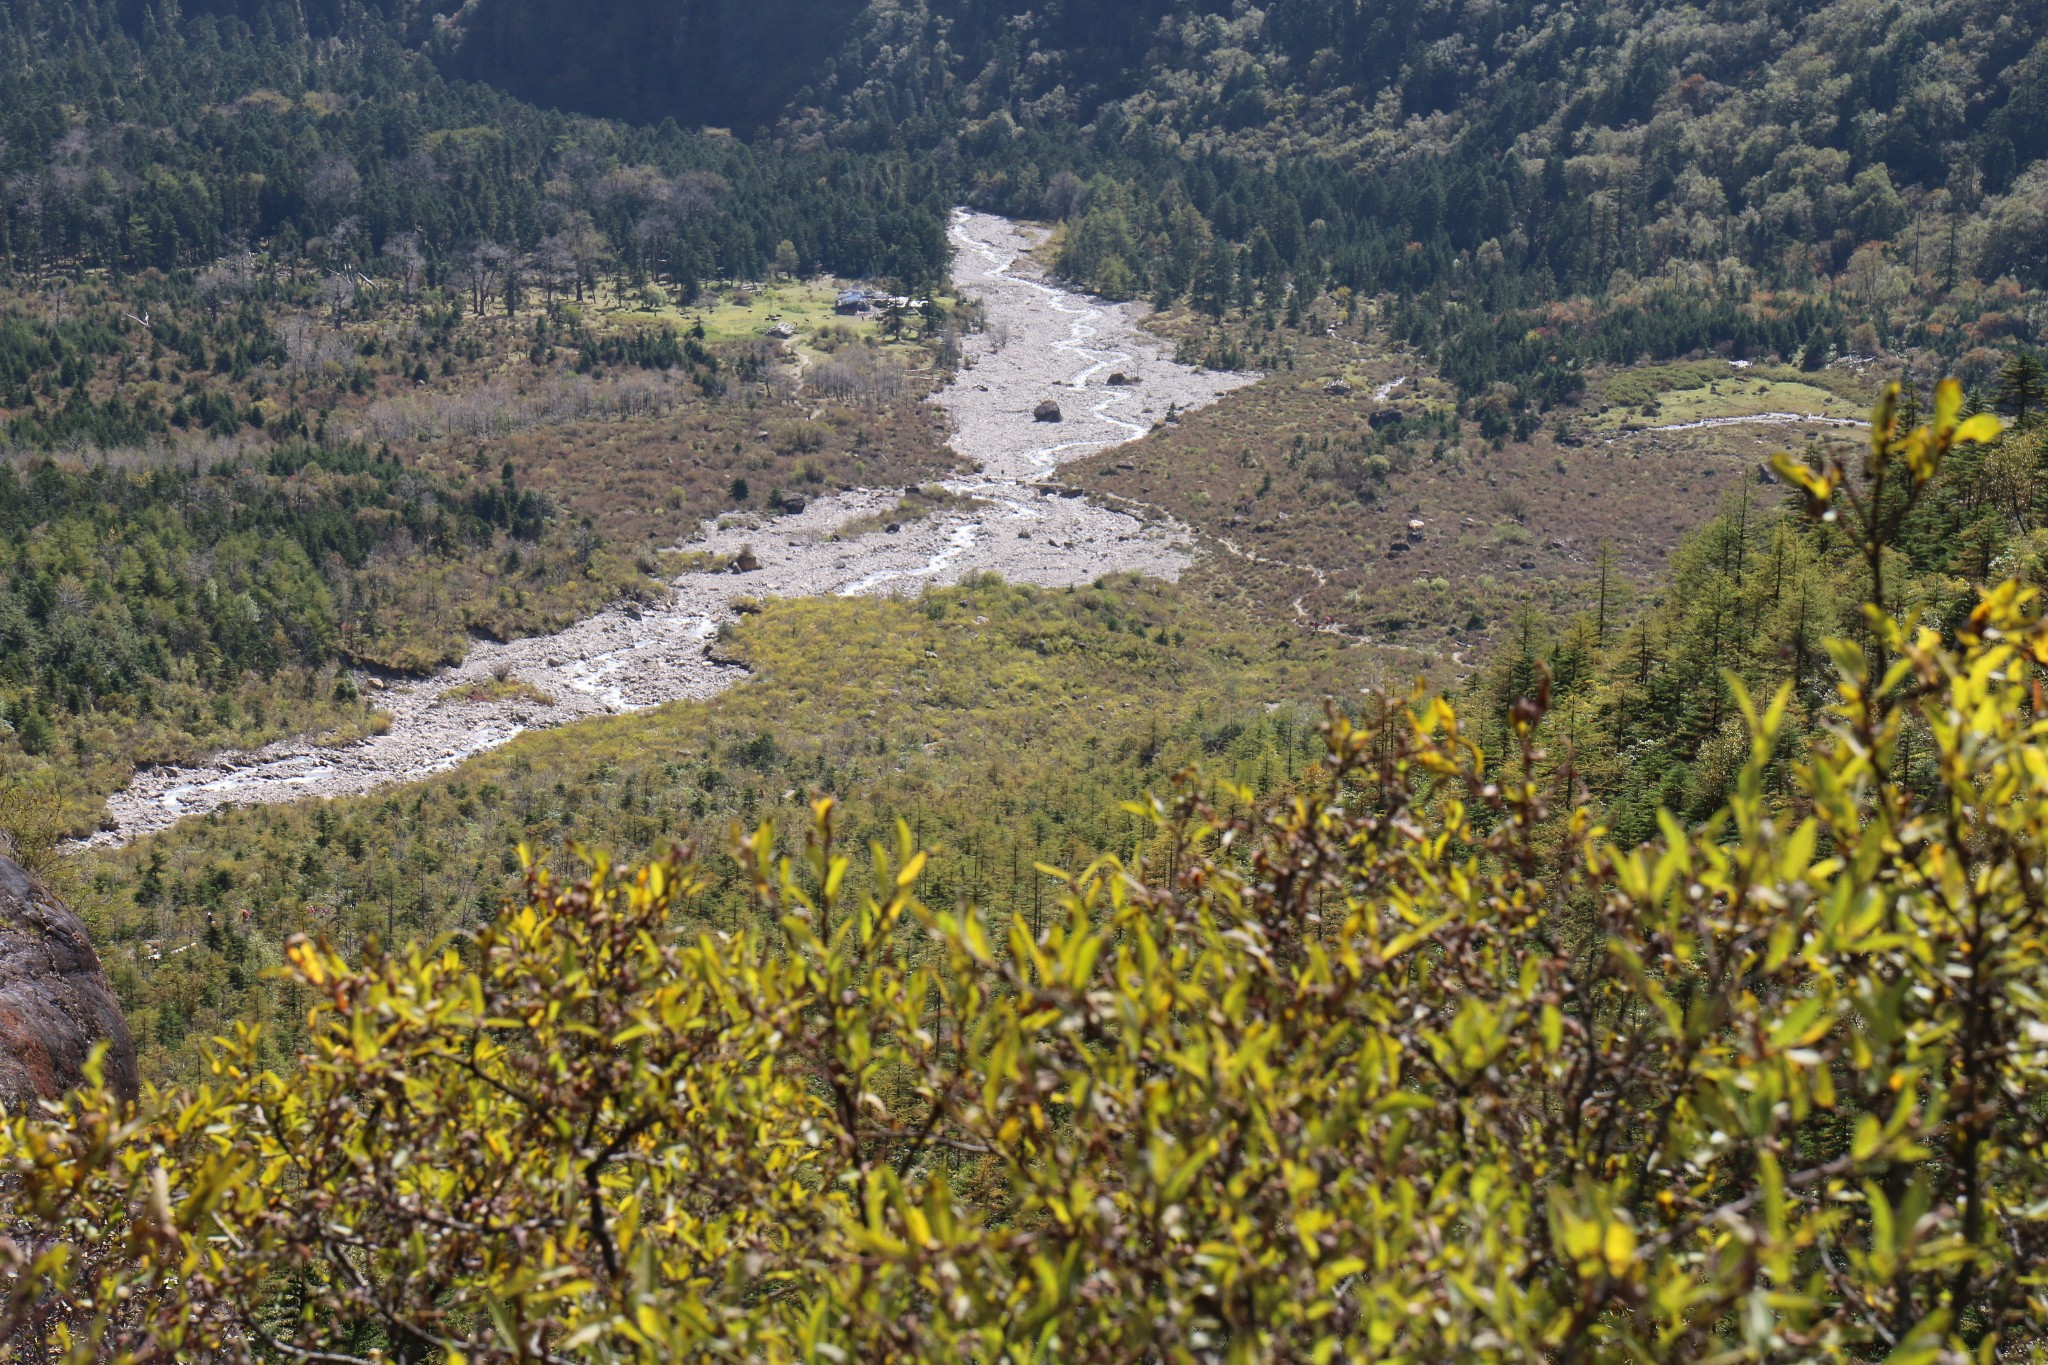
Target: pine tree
[[2022, 388], [1219, 282], [1606, 562], [1815, 356]]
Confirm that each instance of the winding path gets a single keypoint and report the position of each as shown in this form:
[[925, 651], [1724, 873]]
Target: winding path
[[1042, 341]]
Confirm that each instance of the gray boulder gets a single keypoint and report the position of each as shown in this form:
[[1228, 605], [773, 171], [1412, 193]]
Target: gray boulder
[[55, 1003]]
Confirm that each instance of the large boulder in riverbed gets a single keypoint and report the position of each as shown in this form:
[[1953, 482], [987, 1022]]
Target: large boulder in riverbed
[[55, 1003], [1048, 411]]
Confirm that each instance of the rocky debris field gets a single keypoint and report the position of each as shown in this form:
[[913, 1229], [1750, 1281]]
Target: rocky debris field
[[1111, 381]]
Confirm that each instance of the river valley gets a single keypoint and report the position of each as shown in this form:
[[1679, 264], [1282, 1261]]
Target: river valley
[[1041, 343]]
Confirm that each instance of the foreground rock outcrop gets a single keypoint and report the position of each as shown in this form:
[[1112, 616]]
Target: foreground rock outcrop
[[55, 1003]]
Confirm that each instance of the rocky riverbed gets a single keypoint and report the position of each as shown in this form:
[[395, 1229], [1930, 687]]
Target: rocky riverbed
[[1043, 343]]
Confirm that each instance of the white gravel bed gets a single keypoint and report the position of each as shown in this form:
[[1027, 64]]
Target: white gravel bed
[[1042, 342]]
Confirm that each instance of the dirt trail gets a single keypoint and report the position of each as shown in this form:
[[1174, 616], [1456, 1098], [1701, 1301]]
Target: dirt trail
[[1042, 342]]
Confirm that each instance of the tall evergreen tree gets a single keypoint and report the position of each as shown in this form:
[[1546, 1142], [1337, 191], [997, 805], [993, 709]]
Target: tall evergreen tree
[[2022, 388]]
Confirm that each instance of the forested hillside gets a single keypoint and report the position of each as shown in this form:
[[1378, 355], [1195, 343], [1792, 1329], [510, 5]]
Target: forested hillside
[[135, 140], [1767, 178], [158, 611], [352, 281]]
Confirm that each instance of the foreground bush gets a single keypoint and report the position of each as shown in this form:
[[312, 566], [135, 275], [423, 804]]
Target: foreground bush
[[1415, 1068]]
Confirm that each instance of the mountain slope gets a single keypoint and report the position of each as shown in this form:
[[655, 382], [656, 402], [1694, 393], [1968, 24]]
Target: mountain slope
[[719, 62], [1875, 164], [1368, 82]]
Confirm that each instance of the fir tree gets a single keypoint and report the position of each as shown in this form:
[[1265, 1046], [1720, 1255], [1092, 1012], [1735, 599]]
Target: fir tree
[[2022, 388]]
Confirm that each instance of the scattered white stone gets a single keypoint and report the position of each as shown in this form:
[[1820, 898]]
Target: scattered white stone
[[628, 659]]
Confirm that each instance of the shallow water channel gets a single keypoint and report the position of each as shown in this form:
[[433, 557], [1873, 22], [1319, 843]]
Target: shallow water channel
[[1042, 342]]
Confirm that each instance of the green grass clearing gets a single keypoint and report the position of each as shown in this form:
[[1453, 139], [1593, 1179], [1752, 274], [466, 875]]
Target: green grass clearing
[[1737, 396], [730, 312], [498, 689], [1005, 724]]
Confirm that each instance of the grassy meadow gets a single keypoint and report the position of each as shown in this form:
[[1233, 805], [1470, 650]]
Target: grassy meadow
[[1303, 487], [1005, 724]]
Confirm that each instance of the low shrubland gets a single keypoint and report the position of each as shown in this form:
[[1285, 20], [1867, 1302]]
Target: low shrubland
[[1406, 1060]]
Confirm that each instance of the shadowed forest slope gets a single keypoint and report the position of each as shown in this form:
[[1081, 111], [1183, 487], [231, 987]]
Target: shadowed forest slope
[[720, 62]]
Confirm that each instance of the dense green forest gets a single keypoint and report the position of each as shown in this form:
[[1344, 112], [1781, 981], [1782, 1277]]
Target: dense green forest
[[1643, 710], [1524, 199], [244, 254], [1523, 196], [1765, 178], [1534, 192], [134, 140], [155, 611]]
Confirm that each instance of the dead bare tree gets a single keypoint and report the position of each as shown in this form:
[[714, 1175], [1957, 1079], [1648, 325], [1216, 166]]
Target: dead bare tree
[[408, 252], [575, 254], [337, 295], [696, 194], [215, 285], [481, 262], [861, 375], [343, 246], [1065, 194], [554, 266], [332, 184]]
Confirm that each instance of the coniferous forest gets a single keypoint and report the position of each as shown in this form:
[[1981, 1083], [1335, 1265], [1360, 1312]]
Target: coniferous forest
[[1013, 680]]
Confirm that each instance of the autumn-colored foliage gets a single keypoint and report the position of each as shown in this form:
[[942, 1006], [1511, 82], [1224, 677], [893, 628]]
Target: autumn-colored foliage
[[1416, 1066]]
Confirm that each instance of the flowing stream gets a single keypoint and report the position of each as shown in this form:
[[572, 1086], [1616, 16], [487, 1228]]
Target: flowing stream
[[1041, 342]]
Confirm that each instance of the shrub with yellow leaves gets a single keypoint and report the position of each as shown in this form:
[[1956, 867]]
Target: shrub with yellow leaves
[[1416, 1067]]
